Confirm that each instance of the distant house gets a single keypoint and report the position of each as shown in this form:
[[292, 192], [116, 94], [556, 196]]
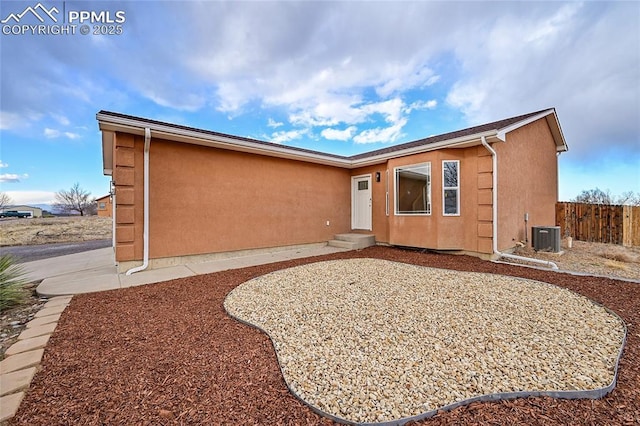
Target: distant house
[[35, 211], [205, 192], [104, 207]]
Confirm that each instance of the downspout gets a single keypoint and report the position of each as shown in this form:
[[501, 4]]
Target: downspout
[[113, 215], [145, 232], [494, 224]]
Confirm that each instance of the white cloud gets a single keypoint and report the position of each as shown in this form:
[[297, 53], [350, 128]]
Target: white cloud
[[403, 78], [180, 101], [391, 110], [12, 177], [329, 110], [9, 120], [32, 197], [339, 135], [13, 121], [53, 134], [381, 134], [3, 165], [421, 105], [71, 135], [286, 136], [575, 57], [274, 124], [64, 121]]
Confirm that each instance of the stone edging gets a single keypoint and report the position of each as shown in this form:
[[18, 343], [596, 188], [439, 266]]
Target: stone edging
[[22, 359], [559, 394]]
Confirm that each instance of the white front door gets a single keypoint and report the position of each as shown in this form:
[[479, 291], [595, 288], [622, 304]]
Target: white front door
[[361, 202]]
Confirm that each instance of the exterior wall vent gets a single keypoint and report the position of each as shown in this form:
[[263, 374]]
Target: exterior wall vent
[[545, 238]]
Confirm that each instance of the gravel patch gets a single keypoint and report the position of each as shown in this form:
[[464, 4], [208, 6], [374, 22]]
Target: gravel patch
[[370, 340], [608, 260]]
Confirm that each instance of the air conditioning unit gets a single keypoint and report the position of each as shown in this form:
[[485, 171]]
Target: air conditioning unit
[[546, 238]]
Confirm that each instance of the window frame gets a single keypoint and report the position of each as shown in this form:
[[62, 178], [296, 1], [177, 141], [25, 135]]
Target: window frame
[[408, 167], [451, 188]]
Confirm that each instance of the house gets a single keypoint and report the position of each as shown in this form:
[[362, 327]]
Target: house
[[104, 207], [476, 190], [35, 211]]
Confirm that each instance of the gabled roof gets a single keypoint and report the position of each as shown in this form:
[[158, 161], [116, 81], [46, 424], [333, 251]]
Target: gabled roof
[[494, 131]]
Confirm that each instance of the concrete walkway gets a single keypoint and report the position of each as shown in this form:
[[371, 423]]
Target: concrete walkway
[[95, 270]]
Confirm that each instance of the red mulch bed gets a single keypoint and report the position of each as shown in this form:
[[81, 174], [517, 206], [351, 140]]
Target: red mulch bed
[[168, 354]]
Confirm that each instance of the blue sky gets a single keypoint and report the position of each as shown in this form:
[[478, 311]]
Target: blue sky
[[339, 77]]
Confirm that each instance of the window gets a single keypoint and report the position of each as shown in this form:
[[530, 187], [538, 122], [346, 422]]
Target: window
[[102, 206], [451, 188], [413, 189]]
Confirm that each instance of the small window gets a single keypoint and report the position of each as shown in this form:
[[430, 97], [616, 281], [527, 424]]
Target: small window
[[363, 185], [413, 189], [102, 206], [451, 188]]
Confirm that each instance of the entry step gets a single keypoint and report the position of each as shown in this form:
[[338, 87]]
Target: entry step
[[353, 241]]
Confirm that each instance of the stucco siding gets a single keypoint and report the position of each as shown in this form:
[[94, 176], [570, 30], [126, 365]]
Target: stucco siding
[[128, 235], [213, 193], [206, 200], [437, 231], [527, 182]]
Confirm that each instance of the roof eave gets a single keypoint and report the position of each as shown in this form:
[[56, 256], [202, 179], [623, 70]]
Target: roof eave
[[460, 142], [113, 124], [110, 124], [554, 125], [107, 152]]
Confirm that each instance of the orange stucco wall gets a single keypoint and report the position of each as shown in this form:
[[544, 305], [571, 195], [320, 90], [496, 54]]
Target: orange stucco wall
[[108, 207], [436, 230], [527, 182], [206, 200]]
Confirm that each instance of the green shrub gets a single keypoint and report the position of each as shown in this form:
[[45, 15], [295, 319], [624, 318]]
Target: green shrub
[[12, 283]]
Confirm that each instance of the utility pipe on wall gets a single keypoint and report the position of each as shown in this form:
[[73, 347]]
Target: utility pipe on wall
[[145, 232], [494, 224], [113, 215]]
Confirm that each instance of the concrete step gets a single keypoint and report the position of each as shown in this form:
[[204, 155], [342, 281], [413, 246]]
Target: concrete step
[[353, 241], [343, 244]]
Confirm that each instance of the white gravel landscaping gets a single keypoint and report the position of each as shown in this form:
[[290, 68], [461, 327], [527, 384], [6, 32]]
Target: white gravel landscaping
[[370, 340]]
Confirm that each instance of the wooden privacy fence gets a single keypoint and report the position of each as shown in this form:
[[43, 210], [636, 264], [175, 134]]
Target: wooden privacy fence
[[599, 223]]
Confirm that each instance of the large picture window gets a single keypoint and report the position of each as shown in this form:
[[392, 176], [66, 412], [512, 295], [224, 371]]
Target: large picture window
[[413, 189], [451, 188]]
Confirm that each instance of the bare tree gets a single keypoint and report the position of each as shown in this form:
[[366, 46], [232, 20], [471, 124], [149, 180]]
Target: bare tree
[[74, 200], [5, 200], [629, 198], [594, 196], [598, 196]]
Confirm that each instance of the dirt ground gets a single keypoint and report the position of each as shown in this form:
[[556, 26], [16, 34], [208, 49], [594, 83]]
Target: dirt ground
[[18, 232], [169, 354], [593, 258]]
